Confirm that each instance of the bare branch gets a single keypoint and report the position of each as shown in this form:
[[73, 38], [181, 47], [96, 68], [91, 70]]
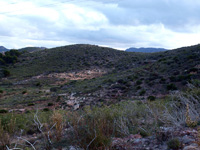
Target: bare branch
[[49, 132], [27, 142], [92, 140]]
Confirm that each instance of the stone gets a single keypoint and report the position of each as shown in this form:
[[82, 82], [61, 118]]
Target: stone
[[70, 103], [187, 140], [190, 147], [76, 106]]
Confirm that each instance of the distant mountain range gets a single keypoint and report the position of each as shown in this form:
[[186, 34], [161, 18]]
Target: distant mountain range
[[3, 49], [146, 50]]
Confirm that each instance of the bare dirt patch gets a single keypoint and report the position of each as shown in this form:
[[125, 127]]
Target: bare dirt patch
[[81, 75]]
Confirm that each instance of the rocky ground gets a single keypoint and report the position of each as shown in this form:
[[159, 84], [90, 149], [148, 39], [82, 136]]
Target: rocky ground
[[186, 139]]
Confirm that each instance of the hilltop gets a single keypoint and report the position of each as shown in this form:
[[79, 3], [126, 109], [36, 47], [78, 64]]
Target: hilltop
[[3, 49], [31, 49]]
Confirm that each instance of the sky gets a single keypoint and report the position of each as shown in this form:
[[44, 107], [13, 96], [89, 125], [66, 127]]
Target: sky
[[114, 23]]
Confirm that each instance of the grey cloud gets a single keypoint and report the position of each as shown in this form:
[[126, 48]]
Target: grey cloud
[[174, 14], [130, 23]]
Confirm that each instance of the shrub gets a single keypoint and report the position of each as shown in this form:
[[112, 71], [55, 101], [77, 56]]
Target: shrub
[[46, 109], [188, 120], [30, 104], [142, 92], [2, 111], [173, 79], [2, 62], [4, 138], [38, 84], [58, 99], [50, 104], [162, 80], [151, 98], [1, 91], [174, 144], [24, 92], [143, 133], [96, 125], [30, 132], [6, 73], [121, 81], [171, 87], [193, 70], [57, 119], [138, 87], [53, 89], [138, 82]]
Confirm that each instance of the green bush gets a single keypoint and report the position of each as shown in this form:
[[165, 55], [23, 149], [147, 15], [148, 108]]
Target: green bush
[[171, 87], [2, 111], [46, 109], [6, 73], [53, 89], [24, 92], [151, 98], [50, 104], [58, 99], [143, 133], [30, 104], [193, 70], [117, 120], [138, 87], [138, 82], [38, 84], [174, 144], [2, 62], [142, 92]]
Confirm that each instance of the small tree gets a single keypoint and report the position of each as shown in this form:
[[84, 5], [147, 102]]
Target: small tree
[[6, 73]]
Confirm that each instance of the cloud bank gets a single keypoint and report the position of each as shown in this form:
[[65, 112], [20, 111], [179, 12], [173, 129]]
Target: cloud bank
[[115, 23]]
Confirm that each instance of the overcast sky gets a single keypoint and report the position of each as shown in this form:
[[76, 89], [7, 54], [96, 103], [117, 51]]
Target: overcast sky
[[115, 23]]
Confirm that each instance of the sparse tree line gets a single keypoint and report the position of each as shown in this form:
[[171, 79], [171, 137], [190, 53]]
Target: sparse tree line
[[9, 57]]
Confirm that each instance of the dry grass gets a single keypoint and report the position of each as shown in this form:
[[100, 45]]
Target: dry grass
[[57, 119], [4, 138], [188, 120], [198, 136]]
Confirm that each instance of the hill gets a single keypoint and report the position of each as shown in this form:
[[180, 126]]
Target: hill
[[71, 58], [103, 73], [3, 49], [101, 97], [146, 50], [31, 49]]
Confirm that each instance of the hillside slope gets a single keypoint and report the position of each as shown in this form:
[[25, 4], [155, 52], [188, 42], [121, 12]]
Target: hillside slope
[[71, 58], [101, 74]]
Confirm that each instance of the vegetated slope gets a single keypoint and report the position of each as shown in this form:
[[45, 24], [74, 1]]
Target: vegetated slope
[[144, 75], [163, 67], [72, 58], [127, 75], [145, 50]]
